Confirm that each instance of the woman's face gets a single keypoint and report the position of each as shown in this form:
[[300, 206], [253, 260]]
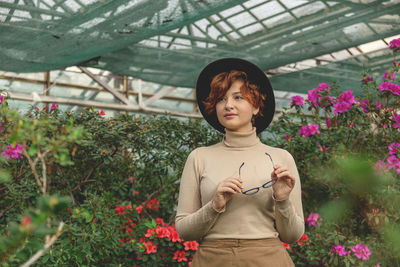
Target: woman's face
[[234, 112]]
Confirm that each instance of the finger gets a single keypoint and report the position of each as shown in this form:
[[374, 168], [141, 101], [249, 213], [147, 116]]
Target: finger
[[237, 182], [235, 187], [234, 179], [281, 169], [283, 174], [276, 166], [227, 189]]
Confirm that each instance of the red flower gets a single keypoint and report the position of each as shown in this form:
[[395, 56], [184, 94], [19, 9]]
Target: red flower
[[129, 206], [160, 221], [129, 230], [26, 221], [180, 255], [139, 209], [303, 238], [150, 248], [136, 193], [102, 113], [287, 246], [162, 232], [191, 245], [153, 204], [131, 179], [174, 237], [150, 232], [119, 210]]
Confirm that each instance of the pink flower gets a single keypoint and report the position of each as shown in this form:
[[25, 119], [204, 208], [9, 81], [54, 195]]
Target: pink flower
[[297, 101], [394, 148], [53, 106], [347, 96], [323, 148], [288, 138], [340, 250], [364, 104], [396, 119], [361, 251], [102, 113], [13, 152], [341, 107], [323, 87], [393, 76], [313, 219], [313, 97], [388, 86], [378, 105], [309, 130], [367, 79], [394, 44], [328, 122], [393, 162], [385, 75], [1, 99], [380, 167]]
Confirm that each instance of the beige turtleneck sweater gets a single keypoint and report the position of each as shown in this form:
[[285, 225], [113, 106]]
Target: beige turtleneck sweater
[[244, 217]]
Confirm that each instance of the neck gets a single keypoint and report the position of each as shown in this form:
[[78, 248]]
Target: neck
[[240, 139]]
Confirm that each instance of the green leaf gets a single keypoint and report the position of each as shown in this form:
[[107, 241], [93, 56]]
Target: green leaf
[[5, 176]]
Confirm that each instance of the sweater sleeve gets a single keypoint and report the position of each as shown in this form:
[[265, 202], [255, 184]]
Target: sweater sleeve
[[193, 220], [289, 212]]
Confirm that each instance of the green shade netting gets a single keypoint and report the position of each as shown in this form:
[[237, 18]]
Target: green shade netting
[[169, 42]]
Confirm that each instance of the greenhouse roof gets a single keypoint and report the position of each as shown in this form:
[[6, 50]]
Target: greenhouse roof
[[170, 41]]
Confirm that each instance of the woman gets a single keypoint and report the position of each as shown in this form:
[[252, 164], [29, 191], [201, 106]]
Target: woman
[[240, 198]]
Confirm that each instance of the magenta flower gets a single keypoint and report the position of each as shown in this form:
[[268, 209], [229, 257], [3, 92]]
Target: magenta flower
[[341, 107], [309, 130], [314, 219], [326, 101], [361, 251], [12, 152], [378, 105], [1, 99], [323, 87], [367, 79], [288, 138], [340, 250], [364, 104], [297, 101], [385, 75], [323, 148], [393, 76], [328, 122], [394, 148], [313, 97], [388, 86], [396, 119], [347, 96], [53, 106], [394, 44]]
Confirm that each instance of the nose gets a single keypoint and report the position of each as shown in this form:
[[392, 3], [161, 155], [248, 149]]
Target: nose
[[228, 103]]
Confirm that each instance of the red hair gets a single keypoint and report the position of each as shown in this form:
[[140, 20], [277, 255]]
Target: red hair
[[221, 83]]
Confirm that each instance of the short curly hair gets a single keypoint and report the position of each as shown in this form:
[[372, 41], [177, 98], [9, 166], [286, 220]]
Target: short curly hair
[[221, 83]]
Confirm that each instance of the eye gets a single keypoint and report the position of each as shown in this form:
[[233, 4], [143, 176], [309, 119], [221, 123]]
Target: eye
[[238, 97], [220, 99]]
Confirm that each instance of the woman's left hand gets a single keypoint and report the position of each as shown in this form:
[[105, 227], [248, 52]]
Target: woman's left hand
[[284, 184]]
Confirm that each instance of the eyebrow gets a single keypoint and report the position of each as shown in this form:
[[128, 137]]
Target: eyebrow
[[238, 92]]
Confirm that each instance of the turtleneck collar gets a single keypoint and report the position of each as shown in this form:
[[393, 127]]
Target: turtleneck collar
[[240, 139]]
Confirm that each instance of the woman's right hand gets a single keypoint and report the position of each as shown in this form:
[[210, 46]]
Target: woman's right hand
[[225, 190]]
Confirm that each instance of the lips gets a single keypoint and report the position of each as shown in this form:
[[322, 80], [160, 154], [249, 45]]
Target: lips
[[229, 115]]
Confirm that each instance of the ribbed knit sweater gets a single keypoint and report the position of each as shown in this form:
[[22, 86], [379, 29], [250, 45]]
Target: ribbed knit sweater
[[244, 217]]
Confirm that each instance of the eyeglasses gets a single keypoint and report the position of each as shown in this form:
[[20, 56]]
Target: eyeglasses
[[268, 184]]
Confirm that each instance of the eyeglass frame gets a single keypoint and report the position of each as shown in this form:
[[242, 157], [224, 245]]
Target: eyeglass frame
[[266, 185]]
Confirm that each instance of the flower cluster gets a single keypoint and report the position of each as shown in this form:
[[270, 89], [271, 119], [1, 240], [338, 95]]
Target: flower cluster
[[344, 102], [396, 119], [393, 159], [308, 130], [13, 152], [361, 251], [395, 44], [313, 219], [390, 87], [366, 80], [320, 96], [303, 239], [297, 101]]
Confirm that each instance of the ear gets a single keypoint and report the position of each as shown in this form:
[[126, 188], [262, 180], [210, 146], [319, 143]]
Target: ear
[[255, 111]]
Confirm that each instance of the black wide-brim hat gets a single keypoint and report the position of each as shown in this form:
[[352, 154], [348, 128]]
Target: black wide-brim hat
[[254, 75]]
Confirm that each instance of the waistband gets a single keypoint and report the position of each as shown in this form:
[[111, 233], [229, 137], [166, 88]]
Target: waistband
[[266, 242]]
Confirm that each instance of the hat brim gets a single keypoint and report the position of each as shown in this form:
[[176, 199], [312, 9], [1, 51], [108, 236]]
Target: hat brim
[[254, 74]]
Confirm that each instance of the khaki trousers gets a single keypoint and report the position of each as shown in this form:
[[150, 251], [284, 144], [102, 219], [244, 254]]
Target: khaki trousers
[[242, 253]]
